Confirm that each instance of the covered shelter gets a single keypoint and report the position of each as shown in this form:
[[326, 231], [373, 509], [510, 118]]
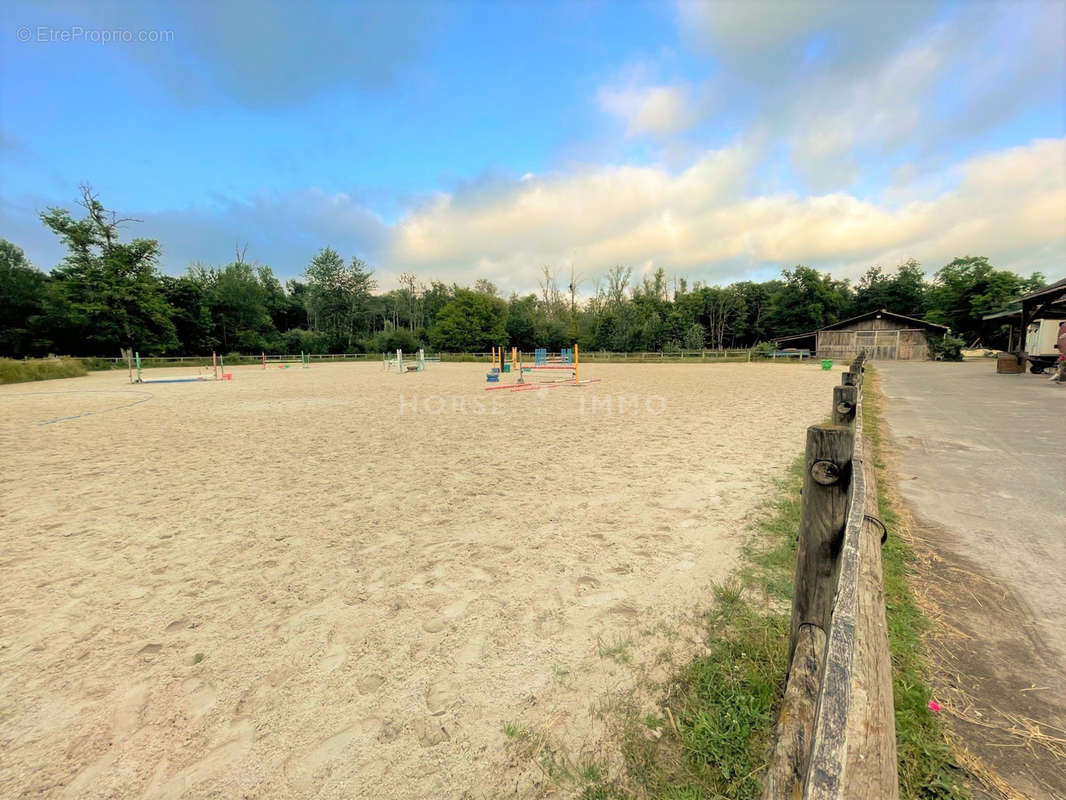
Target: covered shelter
[[1046, 303], [883, 334]]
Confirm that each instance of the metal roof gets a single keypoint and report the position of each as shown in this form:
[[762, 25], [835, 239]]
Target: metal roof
[[886, 313]]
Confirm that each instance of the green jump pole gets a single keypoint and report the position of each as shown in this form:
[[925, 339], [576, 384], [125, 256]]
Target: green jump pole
[[138, 357]]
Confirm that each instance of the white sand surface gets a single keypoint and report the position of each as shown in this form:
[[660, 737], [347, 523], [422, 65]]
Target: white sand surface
[[340, 582]]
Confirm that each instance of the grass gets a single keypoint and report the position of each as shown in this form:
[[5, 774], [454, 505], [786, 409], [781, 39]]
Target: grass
[[617, 651], [43, 369], [716, 714]]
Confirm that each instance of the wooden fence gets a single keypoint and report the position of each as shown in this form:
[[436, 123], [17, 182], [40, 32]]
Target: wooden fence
[[835, 735], [587, 355]]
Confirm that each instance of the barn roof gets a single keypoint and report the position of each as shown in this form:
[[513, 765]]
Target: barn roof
[[921, 323], [882, 312], [1047, 302]]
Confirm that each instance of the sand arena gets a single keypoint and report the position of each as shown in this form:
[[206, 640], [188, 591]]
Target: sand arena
[[338, 582]]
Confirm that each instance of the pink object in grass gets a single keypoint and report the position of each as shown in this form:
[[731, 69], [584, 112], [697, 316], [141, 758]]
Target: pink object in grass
[[934, 705]]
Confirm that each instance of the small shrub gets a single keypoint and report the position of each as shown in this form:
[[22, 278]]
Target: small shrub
[[947, 348], [695, 336], [393, 340], [43, 369], [99, 364]]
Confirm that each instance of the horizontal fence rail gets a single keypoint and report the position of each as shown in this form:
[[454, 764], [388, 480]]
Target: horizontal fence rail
[[835, 735], [587, 355]]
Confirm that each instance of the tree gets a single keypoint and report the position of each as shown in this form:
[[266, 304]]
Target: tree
[[470, 322], [22, 301], [902, 293], [695, 337], [521, 322], [106, 291], [805, 301], [190, 302], [970, 287], [338, 297], [240, 303], [485, 286]]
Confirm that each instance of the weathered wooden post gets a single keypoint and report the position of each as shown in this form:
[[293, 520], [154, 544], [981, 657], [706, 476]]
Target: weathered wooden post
[[844, 400], [821, 532], [850, 378]]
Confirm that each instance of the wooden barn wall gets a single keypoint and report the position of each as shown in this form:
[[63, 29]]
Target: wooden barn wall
[[913, 345], [880, 344]]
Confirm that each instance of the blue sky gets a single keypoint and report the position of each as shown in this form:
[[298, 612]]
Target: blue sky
[[464, 140]]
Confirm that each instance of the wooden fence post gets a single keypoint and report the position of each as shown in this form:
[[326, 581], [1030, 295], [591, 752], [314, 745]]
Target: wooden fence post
[[849, 379], [823, 513], [870, 768], [844, 400]]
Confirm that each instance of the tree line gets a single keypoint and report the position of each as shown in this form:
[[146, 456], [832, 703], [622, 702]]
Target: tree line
[[108, 294]]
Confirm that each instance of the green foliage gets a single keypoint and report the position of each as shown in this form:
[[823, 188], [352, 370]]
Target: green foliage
[[806, 301], [970, 287], [12, 371], [106, 293], [947, 347], [338, 297], [298, 340], [389, 341], [471, 321], [902, 293], [22, 300], [99, 364], [695, 337]]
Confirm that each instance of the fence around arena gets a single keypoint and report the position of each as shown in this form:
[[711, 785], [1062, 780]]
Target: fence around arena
[[587, 355], [835, 735]]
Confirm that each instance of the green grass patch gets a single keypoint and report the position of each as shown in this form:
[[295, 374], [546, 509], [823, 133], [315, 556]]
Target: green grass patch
[[42, 369]]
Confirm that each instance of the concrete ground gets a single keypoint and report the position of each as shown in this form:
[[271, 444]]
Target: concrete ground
[[981, 461]]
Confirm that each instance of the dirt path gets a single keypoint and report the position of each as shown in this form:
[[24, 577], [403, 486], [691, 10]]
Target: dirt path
[[341, 583], [982, 467]]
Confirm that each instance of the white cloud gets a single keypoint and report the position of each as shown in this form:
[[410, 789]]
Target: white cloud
[[1009, 205], [655, 110]]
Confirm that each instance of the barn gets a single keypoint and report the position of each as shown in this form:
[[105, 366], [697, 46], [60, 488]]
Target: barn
[[884, 335]]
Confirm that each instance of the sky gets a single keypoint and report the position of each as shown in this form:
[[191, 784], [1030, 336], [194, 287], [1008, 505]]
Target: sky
[[721, 141]]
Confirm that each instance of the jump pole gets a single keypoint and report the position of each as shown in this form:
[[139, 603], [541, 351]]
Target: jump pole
[[214, 363]]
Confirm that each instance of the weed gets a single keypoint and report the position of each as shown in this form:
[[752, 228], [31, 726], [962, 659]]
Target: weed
[[617, 651], [42, 369]]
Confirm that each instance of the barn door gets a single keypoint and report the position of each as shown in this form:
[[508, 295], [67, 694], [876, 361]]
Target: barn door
[[866, 340], [886, 346]]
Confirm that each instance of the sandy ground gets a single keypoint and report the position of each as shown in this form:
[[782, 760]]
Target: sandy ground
[[338, 582]]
